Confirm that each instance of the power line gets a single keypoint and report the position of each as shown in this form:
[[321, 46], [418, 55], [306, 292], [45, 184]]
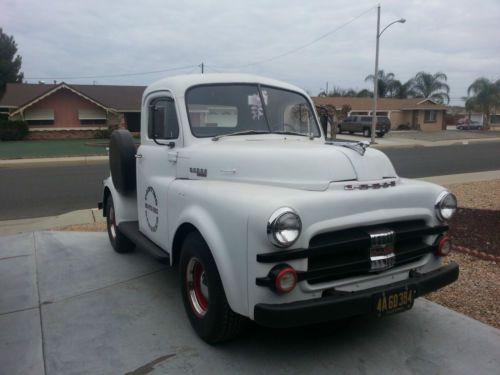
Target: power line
[[301, 47], [118, 75]]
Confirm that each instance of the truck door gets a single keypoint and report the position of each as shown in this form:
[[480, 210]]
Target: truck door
[[156, 165]]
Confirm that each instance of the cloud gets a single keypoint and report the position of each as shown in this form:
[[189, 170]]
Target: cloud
[[64, 38]]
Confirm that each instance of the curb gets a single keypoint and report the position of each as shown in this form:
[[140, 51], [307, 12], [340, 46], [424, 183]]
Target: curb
[[55, 160], [478, 254]]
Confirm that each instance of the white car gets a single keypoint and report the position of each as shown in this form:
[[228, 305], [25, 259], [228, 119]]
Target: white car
[[234, 183]]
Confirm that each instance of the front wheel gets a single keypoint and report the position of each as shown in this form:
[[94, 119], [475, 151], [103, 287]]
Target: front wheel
[[203, 294], [380, 135], [367, 132], [120, 243]]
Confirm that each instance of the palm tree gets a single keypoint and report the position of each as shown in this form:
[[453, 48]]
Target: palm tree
[[385, 83], [403, 90], [485, 98], [432, 86]]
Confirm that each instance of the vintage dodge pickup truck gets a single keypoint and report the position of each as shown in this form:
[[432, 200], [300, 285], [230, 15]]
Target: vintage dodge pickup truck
[[234, 182]]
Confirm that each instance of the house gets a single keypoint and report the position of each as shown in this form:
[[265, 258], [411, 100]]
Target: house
[[66, 110], [418, 113]]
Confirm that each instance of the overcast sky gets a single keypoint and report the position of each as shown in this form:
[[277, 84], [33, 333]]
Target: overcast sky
[[74, 38]]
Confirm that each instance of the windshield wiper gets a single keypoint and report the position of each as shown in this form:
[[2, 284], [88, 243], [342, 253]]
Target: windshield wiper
[[293, 133], [245, 132]]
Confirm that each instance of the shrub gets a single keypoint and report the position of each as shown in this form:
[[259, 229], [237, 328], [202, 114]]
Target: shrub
[[13, 130], [404, 127], [105, 133], [102, 133]]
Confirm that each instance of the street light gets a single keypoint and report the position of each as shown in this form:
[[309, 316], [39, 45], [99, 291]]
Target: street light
[[375, 80]]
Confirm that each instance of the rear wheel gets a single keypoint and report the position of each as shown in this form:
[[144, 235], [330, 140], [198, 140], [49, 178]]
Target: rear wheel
[[380, 135], [367, 132], [203, 294], [120, 243]]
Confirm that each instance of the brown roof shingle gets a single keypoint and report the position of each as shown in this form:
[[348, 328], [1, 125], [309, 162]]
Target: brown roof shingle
[[383, 104], [121, 98]]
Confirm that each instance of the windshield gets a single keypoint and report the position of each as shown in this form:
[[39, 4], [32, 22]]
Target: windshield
[[237, 108]]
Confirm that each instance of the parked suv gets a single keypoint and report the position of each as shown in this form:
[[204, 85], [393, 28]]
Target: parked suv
[[363, 124]]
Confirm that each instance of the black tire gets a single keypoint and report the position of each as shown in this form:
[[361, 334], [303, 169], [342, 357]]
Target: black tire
[[339, 130], [122, 151], [210, 314], [351, 132], [367, 132], [120, 243], [380, 135]]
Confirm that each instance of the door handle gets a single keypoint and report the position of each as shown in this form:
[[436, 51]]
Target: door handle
[[138, 156]]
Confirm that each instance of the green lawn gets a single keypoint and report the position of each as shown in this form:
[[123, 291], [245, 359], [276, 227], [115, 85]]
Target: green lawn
[[52, 148]]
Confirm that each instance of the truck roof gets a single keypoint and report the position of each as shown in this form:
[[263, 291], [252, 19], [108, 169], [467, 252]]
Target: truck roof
[[179, 84]]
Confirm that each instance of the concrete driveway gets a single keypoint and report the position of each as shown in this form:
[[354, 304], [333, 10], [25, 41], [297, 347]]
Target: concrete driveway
[[70, 305]]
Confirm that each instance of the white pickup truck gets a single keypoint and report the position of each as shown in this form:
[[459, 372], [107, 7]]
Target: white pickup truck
[[234, 183]]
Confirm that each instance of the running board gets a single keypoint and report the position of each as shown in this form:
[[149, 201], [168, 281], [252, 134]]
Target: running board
[[130, 229]]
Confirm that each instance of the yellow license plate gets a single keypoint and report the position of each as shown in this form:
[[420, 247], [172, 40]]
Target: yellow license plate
[[393, 301]]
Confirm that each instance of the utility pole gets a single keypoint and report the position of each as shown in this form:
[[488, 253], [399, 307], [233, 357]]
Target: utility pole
[[375, 83], [326, 88], [202, 66]]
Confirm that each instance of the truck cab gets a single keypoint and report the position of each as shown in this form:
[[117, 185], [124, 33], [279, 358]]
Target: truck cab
[[234, 183]]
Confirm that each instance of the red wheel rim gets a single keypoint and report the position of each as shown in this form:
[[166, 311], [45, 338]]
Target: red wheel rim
[[197, 287]]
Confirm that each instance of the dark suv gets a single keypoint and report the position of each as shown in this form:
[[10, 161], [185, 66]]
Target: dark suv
[[363, 124]]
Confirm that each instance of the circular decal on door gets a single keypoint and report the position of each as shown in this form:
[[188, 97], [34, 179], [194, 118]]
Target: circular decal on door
[[151, 209]]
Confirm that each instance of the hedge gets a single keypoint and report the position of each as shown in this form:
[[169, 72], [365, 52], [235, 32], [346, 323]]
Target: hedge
[[12, 130]]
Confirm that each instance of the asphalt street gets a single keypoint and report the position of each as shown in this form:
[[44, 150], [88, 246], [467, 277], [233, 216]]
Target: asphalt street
[[37, 191]]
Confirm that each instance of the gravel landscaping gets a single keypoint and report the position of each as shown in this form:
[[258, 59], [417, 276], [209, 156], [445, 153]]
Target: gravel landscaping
[[474, 228]]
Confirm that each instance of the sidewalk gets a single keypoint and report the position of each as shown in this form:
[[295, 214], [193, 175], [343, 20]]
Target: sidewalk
[[90, 216], [87, 216]]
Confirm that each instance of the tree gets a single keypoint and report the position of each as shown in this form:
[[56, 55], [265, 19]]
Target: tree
[[402, 90], [432, 86], [485, 97], [10, 64], [326, 114], [385, 83], [338, 91]]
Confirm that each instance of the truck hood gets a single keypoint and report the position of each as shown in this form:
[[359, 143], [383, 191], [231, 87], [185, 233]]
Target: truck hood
[[289, 162]]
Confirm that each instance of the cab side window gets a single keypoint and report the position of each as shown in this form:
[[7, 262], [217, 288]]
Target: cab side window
[[162, 122]]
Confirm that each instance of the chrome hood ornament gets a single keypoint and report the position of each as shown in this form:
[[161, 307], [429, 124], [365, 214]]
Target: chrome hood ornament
[[360, 146]]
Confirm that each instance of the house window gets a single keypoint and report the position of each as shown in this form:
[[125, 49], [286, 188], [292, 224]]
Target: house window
[[40, 122], [495, 119], [97, 121], [430, 116], [92, 116], [163, 119], [39, 116]]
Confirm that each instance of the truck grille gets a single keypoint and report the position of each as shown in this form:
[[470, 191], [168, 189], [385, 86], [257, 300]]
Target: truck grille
[[346, 253]]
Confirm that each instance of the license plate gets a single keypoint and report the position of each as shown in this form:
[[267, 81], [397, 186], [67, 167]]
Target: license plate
[[393, 301]]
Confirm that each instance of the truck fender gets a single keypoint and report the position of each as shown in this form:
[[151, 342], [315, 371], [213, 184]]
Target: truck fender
[[125, 205], [231, 265]]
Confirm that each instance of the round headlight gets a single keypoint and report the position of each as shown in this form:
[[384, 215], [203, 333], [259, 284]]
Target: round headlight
[[284, 227], [446, 206]]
